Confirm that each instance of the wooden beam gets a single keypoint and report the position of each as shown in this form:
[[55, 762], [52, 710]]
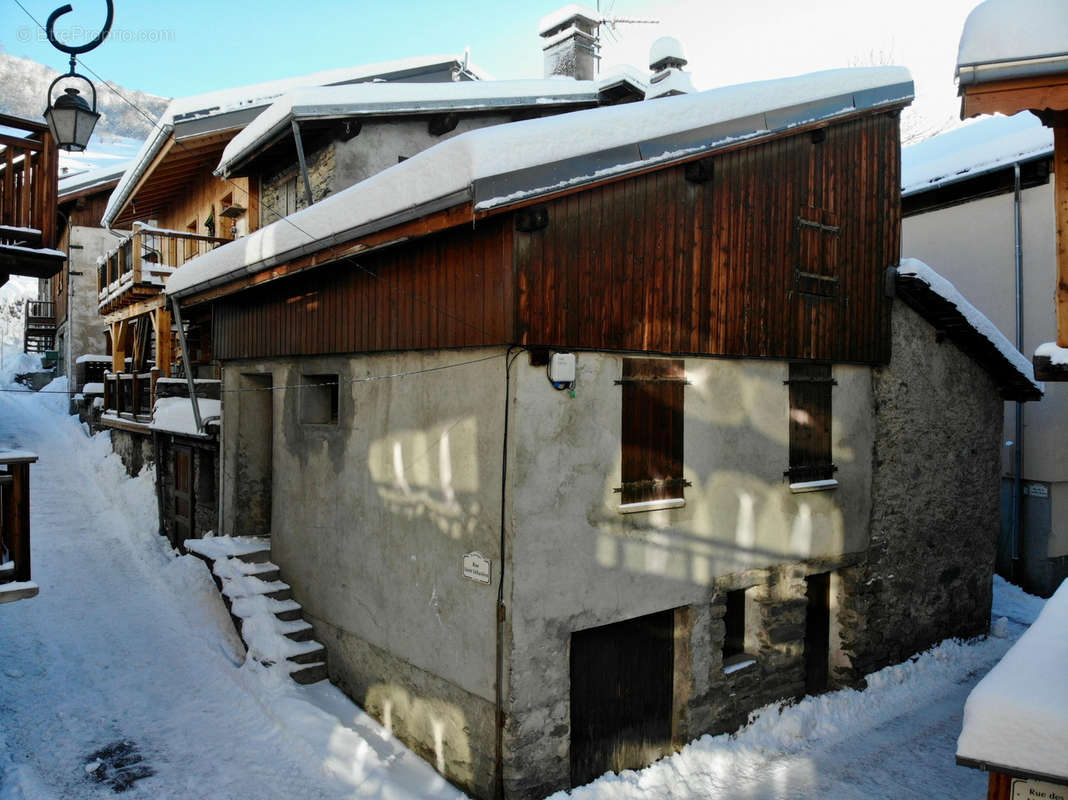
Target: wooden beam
[[1012, 96], [162, 154], [118, 345], [161, 320], [1060, 206], [136, 309]]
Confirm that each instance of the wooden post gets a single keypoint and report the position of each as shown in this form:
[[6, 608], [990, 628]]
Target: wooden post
[[1060, 206], [19, 511], [118, 346], [161, 320]]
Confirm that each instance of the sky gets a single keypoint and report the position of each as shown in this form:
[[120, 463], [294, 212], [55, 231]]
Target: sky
[[181, 48]]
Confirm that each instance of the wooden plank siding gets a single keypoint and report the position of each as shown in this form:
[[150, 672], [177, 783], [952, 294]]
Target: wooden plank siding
[[447, 290], [648, 263], [713, 268]]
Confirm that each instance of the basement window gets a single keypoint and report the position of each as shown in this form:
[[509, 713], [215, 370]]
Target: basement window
[[739, 642], [319, 399], [811, 468], [652, 431]]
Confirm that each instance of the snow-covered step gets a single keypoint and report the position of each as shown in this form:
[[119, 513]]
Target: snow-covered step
[[270, 621], [7, 569]]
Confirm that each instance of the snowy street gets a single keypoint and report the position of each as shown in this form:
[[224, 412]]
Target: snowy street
[[128, 647]]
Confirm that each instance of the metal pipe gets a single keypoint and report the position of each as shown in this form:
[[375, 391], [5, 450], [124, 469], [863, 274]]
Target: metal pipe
[[1017, 450], [303, 164], [185, 365]]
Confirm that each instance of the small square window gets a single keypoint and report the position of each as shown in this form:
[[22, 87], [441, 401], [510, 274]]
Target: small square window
[[319, 399]]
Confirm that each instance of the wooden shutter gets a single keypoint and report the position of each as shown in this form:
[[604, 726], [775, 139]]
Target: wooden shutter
[[810, 422], [818, 234], [183, 494], [652, 429]]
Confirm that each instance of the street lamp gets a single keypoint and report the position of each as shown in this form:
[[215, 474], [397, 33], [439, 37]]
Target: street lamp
[[70, 118]]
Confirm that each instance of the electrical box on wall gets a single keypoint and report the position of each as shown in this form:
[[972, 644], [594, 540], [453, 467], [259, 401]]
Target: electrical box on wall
[[562, 368]]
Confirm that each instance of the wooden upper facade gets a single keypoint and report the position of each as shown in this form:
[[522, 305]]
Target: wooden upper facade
[[29, 173], [777, 248]]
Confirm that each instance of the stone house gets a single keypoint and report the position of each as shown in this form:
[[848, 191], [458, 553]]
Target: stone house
[[978, 202], [616, 403]]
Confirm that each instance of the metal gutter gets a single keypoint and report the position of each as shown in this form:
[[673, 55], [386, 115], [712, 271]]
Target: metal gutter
[[1006, 69], [1017, 450]]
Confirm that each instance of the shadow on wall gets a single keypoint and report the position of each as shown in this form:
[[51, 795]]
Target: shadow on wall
[[423, 473]]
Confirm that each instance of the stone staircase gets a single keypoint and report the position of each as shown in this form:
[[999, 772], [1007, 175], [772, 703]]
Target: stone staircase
[[270, 621]]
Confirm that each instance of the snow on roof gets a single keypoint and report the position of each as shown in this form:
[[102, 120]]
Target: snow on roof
[[89, 179], [1013, 38], [175, 414], [497, 165], [980, 147], [96, 359], [1058, 356], [1017, 716], [225, 101], [564, 14], [324, 102], [913, 267]]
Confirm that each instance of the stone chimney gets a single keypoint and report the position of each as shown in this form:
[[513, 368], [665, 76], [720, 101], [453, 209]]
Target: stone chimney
[[571, 42]]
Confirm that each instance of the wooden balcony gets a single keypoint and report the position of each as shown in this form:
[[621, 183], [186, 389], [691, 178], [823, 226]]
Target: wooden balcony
[[138, 268], [15, 526], [28, 190], [39, 326]]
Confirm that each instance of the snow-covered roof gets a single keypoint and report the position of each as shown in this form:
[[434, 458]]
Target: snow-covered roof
[[1017, 716], [1005, 39], [938, 300], [980, 147], [495, 166], [361, 99], [225, 109], [94, 358], [91, 179], [565, 14]]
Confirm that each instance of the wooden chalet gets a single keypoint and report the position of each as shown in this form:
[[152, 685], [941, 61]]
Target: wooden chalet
[[576, 375], [1014, 57]]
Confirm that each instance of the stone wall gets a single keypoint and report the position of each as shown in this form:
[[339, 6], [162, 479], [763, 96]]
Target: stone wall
[[135, 449], [935, 503]]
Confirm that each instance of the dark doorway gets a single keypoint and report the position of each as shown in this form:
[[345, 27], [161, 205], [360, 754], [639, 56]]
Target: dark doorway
[[817, 632], [621, 695], [253, 458], [183, 494]]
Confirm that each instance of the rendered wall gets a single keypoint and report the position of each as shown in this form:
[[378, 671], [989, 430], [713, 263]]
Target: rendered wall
[[935, 503], [579, 563], [370, 520], [82, 328]]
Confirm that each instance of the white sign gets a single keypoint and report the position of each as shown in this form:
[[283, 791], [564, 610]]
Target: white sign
[[1037, 790], [477, 567], [1038, 490]]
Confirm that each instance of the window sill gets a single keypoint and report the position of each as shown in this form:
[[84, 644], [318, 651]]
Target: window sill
[[652, 505], [737, 663], [814, 486]]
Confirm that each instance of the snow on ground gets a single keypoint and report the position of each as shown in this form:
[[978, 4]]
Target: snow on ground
[[129, 648], [129, 643]]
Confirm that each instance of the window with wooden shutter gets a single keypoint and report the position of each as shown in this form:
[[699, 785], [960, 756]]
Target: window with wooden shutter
[[810, 422], [652, 430], [817, 272]]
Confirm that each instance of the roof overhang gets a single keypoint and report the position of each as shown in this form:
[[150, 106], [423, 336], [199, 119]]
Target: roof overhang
[[1047, 92], [951, 322]]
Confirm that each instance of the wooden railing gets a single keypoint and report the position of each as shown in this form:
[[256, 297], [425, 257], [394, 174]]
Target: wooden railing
[[131, 394], [141, 263], [15, 516], [28, 182], [39, 326]]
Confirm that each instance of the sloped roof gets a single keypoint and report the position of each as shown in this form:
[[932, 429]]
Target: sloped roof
[[497, 166], [938, 301], [229, 109], [367, 99], [967, 152], [1005, 39], [93, 179]]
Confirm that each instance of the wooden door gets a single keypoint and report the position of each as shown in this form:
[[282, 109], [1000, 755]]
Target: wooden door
[[817, 632], [621, 695], [182, 517]]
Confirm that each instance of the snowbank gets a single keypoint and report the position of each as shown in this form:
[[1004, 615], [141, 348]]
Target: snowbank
[[1017, 716], [446, 173], [975, 317], [175, 414]]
